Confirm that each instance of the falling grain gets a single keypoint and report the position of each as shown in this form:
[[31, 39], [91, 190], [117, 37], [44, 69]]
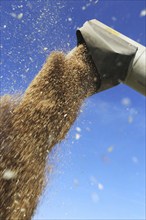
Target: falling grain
[[32, 125]]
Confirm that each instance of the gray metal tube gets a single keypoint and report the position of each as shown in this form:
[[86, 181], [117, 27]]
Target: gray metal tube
[[136, 77], [116, 57]]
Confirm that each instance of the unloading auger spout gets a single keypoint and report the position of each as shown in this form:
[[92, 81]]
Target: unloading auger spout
[[116, 57]]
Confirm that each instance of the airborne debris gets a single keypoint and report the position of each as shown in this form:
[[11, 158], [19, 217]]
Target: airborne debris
[[84, 8], [18, 16], [77, 137], [126, 101], [110, 149], [94, 182], [114, 18], [78, 129], [45, 48], [130, 119], [70, 19], [89, 3], [100, 186], [143, 13]]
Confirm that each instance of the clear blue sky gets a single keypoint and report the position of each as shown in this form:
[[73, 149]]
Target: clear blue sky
[[99, 170]]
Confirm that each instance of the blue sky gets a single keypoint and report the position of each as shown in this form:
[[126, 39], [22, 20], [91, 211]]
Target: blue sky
[[99, 170]]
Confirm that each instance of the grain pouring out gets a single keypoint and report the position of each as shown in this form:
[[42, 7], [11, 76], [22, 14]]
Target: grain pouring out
[[33, 123]]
